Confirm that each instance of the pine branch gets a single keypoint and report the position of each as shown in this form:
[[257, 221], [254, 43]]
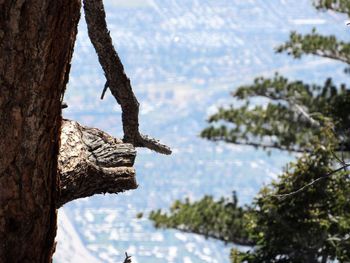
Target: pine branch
[[318, 45], [117, 81], [222, 219], [281, 90], [294, 119], [270, 146], [340, 6], [273, 126], [276, 88], [262, 145]]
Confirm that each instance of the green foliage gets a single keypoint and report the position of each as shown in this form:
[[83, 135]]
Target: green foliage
[[139, 215], [307, 226], [341, 6], [236, 256], [222, 219], [291, 120], [285, 223], [315, 44]]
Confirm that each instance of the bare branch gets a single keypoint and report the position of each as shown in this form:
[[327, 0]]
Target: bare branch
[[118, 81], [127, 258], [303, 112], [264, 146], [152, 144], [93, 162], [284, 196], [328, 54], [341, 161], [104, 90]]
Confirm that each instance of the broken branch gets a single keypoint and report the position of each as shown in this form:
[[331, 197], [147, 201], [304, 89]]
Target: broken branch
[[93, 162], [118, 81]]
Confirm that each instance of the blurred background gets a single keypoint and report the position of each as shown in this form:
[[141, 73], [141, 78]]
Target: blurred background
[[183, 57]]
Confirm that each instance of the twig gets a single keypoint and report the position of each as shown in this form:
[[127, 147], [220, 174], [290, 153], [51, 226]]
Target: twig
[[118, 82], [342, 155], [306, 115], [152, 144], [284, 196], [64, 105], [127, 258], [104, 90], [338, 159], [268, 146]]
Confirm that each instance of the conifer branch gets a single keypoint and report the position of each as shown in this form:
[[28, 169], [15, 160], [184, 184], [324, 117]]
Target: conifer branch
[[340, 6], [223, 219], [294, 118], [318, 45], [264, 146]]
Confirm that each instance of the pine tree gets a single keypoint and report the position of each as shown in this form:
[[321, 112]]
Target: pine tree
[[304, 215]]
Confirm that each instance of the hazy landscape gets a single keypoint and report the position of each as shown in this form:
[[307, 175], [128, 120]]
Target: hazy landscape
[[183, 58]]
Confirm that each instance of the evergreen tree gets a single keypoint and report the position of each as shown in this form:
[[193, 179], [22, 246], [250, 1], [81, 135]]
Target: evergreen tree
[[303, 216]]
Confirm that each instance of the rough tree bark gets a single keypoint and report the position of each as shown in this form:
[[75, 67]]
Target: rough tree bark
[[36, 44], [117, 80], [93, 162]]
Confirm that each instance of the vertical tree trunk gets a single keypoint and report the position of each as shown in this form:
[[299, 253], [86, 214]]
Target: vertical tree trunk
[[36, 44]]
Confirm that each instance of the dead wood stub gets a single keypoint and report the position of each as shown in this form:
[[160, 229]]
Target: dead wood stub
[[93, 162]]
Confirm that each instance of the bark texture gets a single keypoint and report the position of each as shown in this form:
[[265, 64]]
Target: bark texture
[[93, 162], [36, 44]]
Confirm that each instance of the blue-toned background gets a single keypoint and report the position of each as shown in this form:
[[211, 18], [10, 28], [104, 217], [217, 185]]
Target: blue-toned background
[[183, 58]]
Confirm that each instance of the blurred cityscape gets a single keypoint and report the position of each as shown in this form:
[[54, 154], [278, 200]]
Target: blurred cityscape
[[183, 58]]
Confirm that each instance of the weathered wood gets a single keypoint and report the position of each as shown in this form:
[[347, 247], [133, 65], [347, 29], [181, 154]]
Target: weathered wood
[[117, 80], [36, 46], [93, 162]]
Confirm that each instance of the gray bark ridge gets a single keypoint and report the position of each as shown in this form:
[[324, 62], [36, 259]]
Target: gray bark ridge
[[93, 162]]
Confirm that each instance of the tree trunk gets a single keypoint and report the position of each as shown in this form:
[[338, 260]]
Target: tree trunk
[[36, 44]]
